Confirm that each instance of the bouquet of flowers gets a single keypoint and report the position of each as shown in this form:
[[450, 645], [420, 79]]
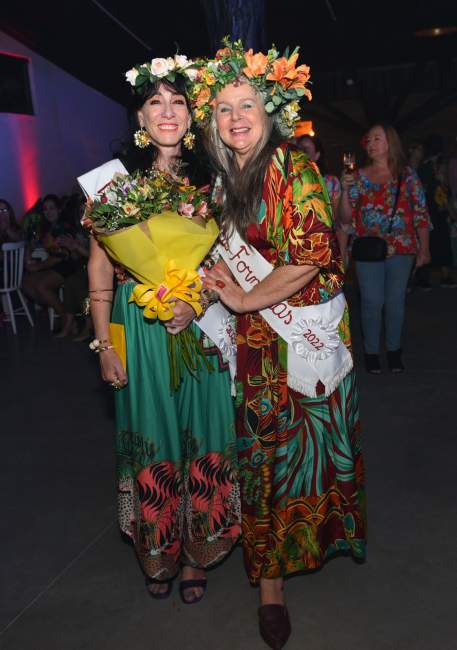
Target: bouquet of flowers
[[159, 228], [130, 199]]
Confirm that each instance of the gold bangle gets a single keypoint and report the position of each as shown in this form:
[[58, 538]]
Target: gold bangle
[[104, 348], [97, 290]]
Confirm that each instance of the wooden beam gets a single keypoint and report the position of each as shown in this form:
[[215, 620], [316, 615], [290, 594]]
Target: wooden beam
[[409, 88], [431, 106], [337, 117]]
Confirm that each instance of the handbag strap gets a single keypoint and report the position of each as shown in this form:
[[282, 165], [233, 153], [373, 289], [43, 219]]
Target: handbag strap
[[394, 209]]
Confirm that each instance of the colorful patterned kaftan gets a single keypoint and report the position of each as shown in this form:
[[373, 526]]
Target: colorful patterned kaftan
[[301, 469]]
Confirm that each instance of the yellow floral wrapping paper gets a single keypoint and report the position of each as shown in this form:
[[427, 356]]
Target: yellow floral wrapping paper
[[163, 254]]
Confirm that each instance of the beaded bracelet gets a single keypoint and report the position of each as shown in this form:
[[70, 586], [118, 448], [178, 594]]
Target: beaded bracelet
[[97, 345], [208, 298]]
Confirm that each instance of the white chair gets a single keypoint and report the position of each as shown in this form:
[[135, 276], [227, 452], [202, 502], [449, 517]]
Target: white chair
[[13, 267], [52, 313]]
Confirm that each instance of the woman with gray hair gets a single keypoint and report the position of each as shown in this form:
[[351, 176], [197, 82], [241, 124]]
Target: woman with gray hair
[[300, 464]]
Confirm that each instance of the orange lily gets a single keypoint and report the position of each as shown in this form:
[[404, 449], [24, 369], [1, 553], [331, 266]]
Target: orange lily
[[302, 77], [285, 73], [255, 64]]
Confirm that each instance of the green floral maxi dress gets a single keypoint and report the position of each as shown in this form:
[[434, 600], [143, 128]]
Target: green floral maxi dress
[[178, 494], [300, 463]]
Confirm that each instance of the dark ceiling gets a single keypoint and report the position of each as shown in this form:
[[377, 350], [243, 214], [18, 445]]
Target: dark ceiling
[[80, 38]]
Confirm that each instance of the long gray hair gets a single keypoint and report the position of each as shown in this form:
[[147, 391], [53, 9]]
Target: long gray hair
[[242, 188]]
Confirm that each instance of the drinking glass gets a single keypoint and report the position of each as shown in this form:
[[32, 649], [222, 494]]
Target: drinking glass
[[349, 162]]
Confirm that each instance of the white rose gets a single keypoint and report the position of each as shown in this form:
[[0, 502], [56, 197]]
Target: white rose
[[159, 67], [191, 73], [214, 65], [182, 61], [171, 63], [131, 76]]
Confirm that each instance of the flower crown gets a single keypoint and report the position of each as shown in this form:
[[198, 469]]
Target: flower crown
[[281, 83], [141, 76]]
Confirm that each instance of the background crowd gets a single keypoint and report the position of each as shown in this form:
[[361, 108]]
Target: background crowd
[[55, 265], [55, 270]]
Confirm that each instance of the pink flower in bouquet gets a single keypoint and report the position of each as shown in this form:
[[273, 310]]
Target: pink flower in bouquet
[[186, 209], [202, 209], [86, 222]]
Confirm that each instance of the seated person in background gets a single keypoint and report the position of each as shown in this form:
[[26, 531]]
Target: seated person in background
[[10, 230], [76, 285], [60, 258]]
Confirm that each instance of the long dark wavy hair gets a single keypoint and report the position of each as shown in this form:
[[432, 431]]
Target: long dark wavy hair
[[242, 187], [194, 163], [61, 226]]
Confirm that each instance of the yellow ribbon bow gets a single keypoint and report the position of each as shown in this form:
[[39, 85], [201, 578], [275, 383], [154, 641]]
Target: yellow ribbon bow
[[157, 299]]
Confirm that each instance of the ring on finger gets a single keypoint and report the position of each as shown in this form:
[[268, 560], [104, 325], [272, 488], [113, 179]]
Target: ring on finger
[[220, 284], [116, 384]]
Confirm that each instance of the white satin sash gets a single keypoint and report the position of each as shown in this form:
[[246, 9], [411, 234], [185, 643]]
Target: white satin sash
[[315, 349], [220, 326]]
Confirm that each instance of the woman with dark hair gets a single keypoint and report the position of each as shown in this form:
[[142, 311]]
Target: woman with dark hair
[[385, 199], [10, 231], [176, 470], [301, 472], [61, 258], [192, 160]]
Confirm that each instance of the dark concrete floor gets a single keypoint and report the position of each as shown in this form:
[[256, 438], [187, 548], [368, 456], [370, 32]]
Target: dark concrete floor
[[69, 582]]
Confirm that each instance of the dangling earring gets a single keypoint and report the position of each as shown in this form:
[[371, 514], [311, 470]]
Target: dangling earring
[[189, 140], [142, 138]]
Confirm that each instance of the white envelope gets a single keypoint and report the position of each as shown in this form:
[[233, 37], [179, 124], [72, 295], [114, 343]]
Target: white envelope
[[93, 182]]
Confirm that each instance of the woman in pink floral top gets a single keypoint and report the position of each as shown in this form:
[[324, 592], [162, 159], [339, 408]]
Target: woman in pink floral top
[[367, 201]]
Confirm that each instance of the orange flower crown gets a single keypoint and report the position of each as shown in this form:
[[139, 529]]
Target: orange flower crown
[[280, 81]]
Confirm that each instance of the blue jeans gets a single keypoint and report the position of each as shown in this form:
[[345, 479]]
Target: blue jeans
[[383, 284]]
